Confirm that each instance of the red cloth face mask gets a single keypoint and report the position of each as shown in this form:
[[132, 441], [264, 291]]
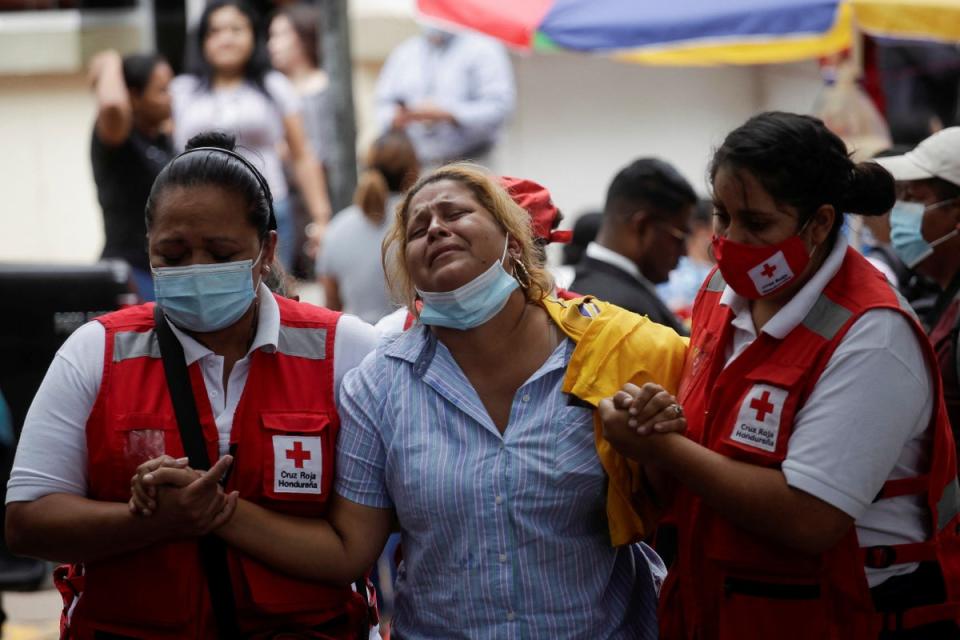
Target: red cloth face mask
[[755, 272]]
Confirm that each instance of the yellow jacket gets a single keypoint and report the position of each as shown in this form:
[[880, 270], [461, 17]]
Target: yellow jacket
[[616, 346]]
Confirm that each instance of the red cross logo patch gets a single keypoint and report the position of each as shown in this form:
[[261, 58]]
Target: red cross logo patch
[[771, 273], [758, 421], [297, 464]]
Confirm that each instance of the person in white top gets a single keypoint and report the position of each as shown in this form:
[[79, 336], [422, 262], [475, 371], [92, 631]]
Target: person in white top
[[211, 243], [349, 266], [810, 392], [231, 88]]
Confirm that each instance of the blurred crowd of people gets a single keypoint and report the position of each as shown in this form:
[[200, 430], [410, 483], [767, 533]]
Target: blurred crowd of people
[[262, 80], [719, 418]]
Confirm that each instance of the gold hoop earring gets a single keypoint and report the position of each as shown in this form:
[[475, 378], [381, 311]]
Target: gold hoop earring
[[525, 280]]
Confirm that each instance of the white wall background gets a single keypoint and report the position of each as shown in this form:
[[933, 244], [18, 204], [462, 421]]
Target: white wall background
[[48, 208], [581, 118]]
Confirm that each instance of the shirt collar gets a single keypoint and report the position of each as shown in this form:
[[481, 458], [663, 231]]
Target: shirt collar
[[599, 252], [267, 336], [418, 346], [409, 344], [792, 313]]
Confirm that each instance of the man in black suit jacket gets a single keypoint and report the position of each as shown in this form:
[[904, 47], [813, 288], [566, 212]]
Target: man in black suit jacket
[[641, 238]]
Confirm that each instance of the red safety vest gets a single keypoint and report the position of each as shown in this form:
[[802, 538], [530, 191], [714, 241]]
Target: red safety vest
[[729, 583], [283, 439]]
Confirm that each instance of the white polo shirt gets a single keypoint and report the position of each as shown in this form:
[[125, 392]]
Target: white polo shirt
[[52, 452], [866, 420]]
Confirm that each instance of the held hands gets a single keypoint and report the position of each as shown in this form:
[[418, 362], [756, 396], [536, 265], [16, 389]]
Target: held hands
[[186, 502], [634, 413]]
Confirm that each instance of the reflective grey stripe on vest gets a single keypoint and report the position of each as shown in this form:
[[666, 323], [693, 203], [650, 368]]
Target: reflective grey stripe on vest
[[949, 504], [135, 344], [826, 317], [303, 343], [716, 283]]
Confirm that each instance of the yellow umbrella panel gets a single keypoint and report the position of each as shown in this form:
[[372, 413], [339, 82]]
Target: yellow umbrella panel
[[909, 19]]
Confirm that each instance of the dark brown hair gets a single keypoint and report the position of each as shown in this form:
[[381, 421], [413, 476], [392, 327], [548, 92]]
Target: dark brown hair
[[305, 20], [800, 162]]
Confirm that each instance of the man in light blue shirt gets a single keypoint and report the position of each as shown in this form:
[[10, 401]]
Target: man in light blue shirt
[[451, 93]]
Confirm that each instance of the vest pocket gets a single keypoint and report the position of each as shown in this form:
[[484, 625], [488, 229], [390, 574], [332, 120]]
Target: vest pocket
[[760, 609], [142, 437], [757, 427], [297, 456], [146, 433]]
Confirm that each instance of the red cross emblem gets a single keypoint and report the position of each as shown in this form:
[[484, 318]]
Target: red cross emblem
[[768, 270], [299, 456], [761, 405]]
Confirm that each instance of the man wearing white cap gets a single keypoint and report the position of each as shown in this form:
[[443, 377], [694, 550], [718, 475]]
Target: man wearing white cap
[[925, 233]]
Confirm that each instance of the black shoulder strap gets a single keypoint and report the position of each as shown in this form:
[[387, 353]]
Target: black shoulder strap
[[181, 393], [213, 551]]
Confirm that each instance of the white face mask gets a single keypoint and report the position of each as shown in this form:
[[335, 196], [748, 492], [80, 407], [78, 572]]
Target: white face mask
[[473, 303]]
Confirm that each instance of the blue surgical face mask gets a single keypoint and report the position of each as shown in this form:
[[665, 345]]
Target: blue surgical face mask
[[205, 297], [906, 222], [472, 304]]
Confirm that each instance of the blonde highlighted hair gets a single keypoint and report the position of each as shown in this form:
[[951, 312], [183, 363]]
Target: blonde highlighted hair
[[535, 281]]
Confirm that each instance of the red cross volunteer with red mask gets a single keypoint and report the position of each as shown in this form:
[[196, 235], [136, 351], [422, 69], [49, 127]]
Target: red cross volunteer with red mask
[[815, 488]]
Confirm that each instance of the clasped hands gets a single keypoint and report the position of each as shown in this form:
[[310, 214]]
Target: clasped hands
[[635, 417], [186, 502]]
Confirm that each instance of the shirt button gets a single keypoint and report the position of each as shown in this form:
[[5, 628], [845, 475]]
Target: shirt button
[[526, 397], [511, 616], [499, 500], [503, 557]]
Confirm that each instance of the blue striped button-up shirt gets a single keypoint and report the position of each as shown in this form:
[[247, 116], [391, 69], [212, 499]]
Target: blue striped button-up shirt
[[504, 536]]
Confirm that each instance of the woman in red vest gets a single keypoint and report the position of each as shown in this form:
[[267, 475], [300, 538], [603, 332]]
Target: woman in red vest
[[816, 490], [219, 365]]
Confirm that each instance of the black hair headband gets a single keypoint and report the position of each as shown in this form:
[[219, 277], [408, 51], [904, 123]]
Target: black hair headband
[[272, 222]]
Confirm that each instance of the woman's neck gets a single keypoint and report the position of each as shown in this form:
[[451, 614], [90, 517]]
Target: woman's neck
[[307, 79], [151, 130], [518, 326], [227, 79], [234, 341]]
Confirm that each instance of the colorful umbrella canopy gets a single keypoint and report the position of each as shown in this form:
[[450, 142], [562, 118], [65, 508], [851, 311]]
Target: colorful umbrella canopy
[[910, 19], [699, 32], [676, 32]]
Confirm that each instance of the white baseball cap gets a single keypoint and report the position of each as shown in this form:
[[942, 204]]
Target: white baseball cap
[[936, 157]]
